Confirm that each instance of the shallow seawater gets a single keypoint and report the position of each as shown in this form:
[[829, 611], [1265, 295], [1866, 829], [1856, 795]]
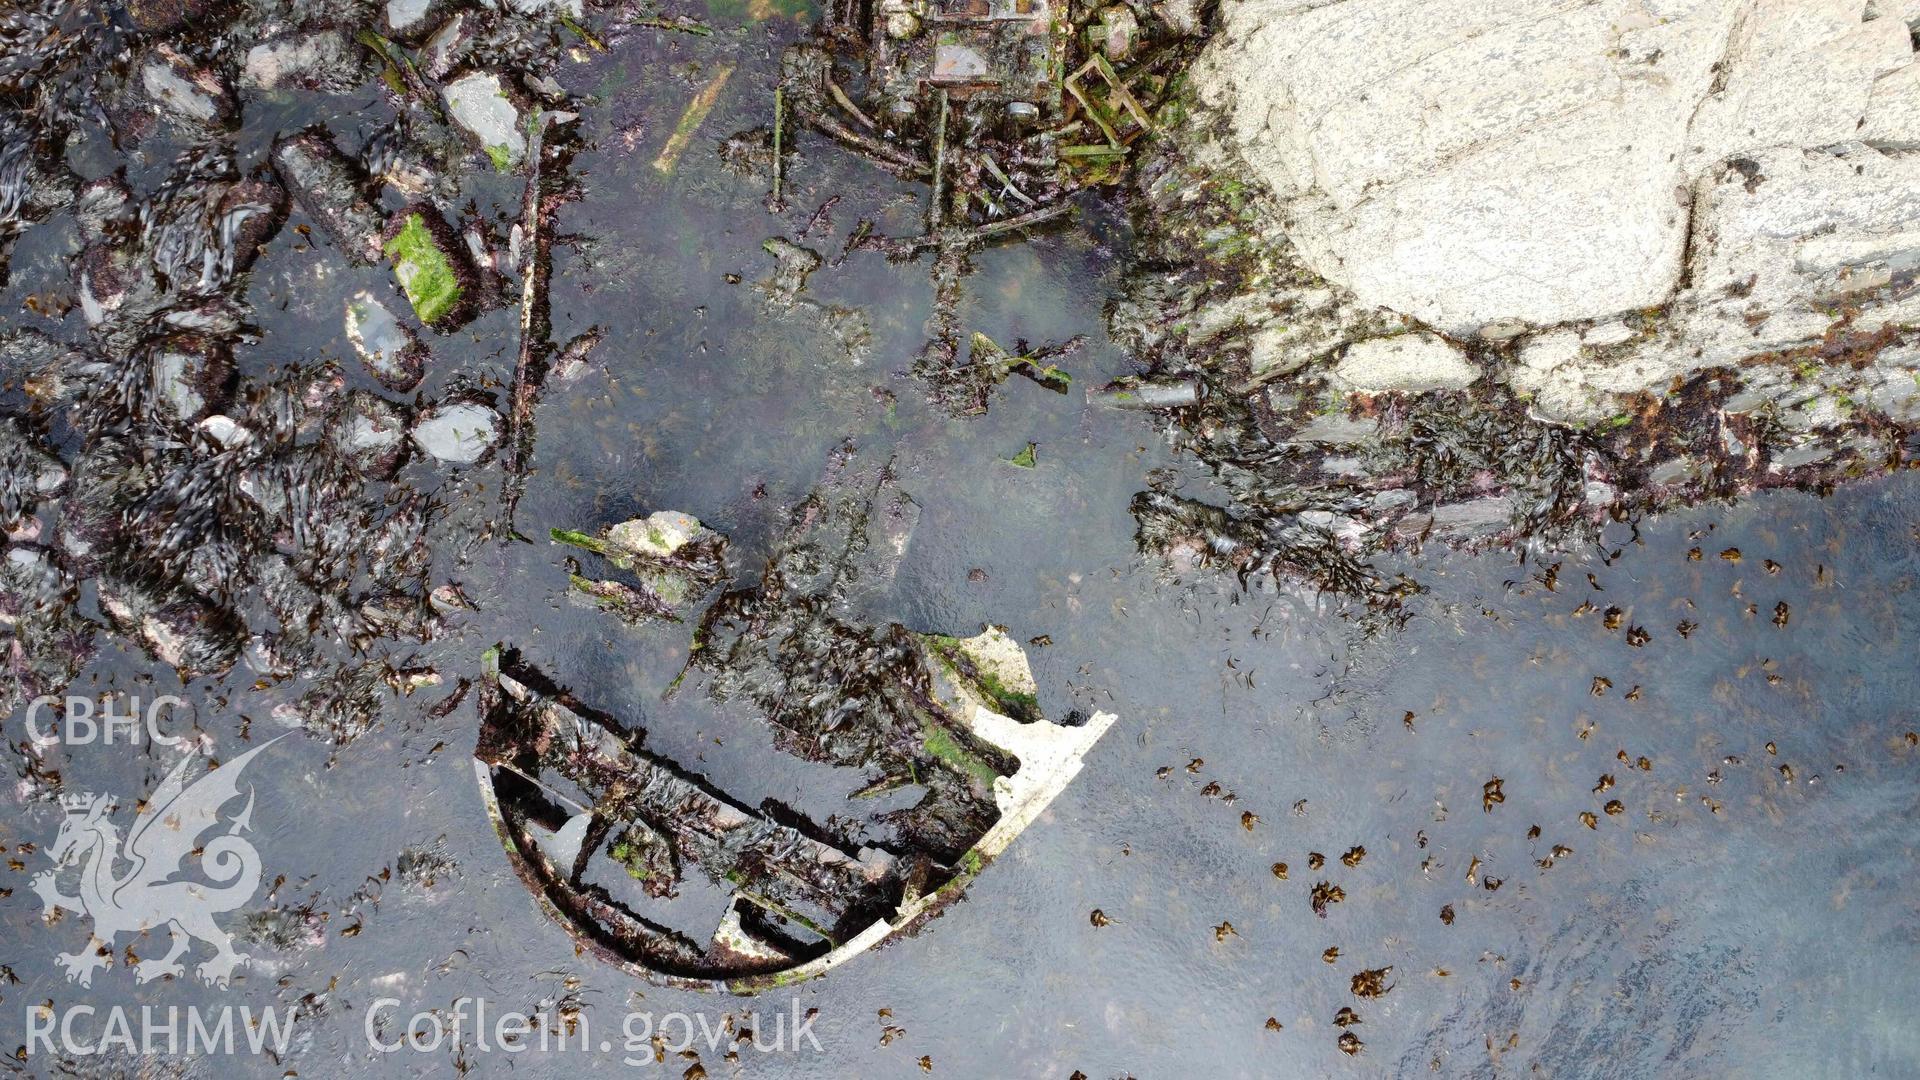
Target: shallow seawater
[[1747, 909]]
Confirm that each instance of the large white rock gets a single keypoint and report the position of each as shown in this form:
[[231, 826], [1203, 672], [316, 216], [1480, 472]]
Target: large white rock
[[1779, 252], [1472, 162]]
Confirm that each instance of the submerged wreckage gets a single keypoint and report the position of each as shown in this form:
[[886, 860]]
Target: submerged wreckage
[[943, 733], [1006, 109]]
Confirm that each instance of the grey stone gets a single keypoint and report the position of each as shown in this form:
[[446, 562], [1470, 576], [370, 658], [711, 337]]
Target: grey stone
[[1474, 515], [459, 433], [1672, 472], [1406, 362], [188, 93], [1807, 453], [1336, 429], [479, 104], [386, 346], [371, 433]]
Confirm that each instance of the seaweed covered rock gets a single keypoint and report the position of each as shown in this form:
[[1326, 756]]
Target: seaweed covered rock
[[191, 377], [328, 186], [30, 189], [491, 116], [182, 631], [322, 59], [672, 558], [432, 266], [192, 94], [371, 433], [163, 16], [221, 494], [43, 640], [29, 475]]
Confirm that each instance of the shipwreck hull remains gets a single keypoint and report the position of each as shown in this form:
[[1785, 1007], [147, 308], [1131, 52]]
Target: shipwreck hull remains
[[567, 790]]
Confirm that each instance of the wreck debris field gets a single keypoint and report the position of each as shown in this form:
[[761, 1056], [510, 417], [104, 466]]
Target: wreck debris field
[[981, 538]]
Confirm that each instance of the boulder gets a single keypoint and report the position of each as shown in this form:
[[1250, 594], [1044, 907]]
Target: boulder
[[178, 629], [1470, 162], [29, 474], [190, 377], [318, 60], [371, 433], [658, 535], [457, 432], [328, 187], [190, 93]]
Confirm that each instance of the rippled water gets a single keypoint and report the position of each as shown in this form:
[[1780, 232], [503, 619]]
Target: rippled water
[[1730, 919]]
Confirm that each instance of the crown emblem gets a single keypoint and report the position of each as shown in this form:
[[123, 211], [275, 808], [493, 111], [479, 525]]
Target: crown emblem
[[80, 803]]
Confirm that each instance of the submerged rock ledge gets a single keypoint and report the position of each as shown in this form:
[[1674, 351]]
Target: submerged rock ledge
[[1488, 270]]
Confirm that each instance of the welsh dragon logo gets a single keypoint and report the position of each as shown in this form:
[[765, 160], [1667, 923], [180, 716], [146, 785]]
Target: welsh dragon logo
[[152, 891]]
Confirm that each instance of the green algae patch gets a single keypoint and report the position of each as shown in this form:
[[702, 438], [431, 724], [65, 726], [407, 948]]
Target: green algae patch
[[631, 857], [575, 538], [941, 745], [984, 680], [424, 271], [1008, 702], [1025, 459]]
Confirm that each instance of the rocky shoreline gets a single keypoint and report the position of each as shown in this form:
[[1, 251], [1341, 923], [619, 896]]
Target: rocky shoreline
[[1415, 296]]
